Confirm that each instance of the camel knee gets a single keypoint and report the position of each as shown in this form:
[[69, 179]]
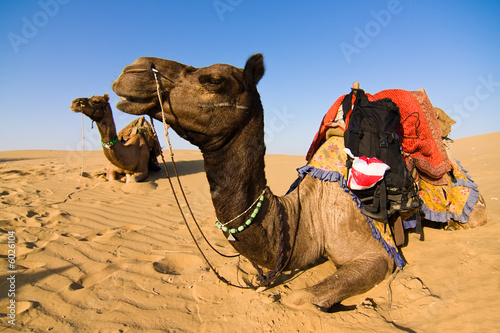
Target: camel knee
[[350, 279], [112, 173], [136, 177], [479, 215], [130, 179]]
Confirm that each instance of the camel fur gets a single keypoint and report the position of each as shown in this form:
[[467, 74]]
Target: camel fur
[[218, 109], [135, 151]]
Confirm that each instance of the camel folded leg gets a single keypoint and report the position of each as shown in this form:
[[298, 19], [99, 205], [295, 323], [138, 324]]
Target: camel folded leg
[[113, 173], [352, 278], [141, 171], [136, 177]]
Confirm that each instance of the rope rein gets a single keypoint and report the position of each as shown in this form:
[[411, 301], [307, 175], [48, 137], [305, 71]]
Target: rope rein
[[264, 280], [77, 187], [165, 129], [83, 159]]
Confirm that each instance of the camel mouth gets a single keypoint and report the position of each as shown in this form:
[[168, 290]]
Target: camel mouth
[[135, 99], [130, 104], [77, 104]]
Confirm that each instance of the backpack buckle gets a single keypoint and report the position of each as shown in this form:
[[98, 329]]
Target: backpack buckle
[[384, 142]]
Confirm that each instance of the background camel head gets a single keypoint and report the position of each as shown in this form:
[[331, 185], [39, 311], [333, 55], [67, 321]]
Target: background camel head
[[444, 122], [93, 107], [206, 106]]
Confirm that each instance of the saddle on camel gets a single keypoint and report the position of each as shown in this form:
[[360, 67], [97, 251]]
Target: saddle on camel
[[441, 191]]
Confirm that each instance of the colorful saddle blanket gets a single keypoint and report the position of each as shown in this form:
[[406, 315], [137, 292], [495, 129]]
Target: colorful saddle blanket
[[440, 203], [421, 134]]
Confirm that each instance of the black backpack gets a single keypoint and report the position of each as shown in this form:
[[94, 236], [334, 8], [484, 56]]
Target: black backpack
[[372, 131]]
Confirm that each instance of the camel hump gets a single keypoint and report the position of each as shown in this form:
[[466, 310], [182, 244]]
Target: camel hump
[[129, 130], [143, 127], [136, 126], [140, 121]]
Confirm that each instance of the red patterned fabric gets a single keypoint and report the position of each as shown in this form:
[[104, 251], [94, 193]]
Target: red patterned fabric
[[329, 117], [422, 140]]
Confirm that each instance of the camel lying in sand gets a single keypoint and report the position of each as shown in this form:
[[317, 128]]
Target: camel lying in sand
[[132, 151], [218, 109], [223, 116]]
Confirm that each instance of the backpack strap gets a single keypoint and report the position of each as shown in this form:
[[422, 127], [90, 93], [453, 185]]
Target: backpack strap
[[383, 200], [347, 107], [359, 97], [347, 103]]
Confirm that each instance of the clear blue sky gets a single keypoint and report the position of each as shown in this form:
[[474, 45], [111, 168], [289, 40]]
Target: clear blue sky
[[53, 51]]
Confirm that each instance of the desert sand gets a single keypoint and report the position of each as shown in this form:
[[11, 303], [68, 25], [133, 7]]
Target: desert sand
[[116, 257]]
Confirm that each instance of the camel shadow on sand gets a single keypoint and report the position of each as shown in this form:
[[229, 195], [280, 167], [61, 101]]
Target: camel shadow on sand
[[184, 168]]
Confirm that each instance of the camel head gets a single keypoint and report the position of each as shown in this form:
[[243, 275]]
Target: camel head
[[444, 122], [205, 106], [94, 107]]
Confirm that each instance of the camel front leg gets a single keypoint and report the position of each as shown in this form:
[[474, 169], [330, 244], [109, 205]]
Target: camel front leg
[[355, 277], [142, 170], [352, 278], [112, 173], [136, 177]]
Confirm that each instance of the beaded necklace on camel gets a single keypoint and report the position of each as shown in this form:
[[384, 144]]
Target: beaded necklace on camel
[[257, 203], [109, 144]]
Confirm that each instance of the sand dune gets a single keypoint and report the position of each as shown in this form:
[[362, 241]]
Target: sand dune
[[117, 257]]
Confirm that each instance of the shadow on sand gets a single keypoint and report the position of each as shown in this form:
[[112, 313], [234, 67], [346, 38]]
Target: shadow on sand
[[21, 278], [184, 168]]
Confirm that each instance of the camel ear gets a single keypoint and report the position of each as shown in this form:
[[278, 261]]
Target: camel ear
[[106, 97], [254, 70]]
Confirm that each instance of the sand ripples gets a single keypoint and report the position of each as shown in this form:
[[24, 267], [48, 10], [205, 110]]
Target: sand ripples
[[117, 258]]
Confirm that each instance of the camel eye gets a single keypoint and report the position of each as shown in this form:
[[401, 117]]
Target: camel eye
[[214, 81], [211, 81]]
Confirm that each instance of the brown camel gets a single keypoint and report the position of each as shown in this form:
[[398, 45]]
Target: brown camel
[[132, 152], [218, 109]]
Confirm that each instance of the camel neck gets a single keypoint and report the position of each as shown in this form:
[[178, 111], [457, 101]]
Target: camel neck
[[106, 126], [235, 172], [237, 179]]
